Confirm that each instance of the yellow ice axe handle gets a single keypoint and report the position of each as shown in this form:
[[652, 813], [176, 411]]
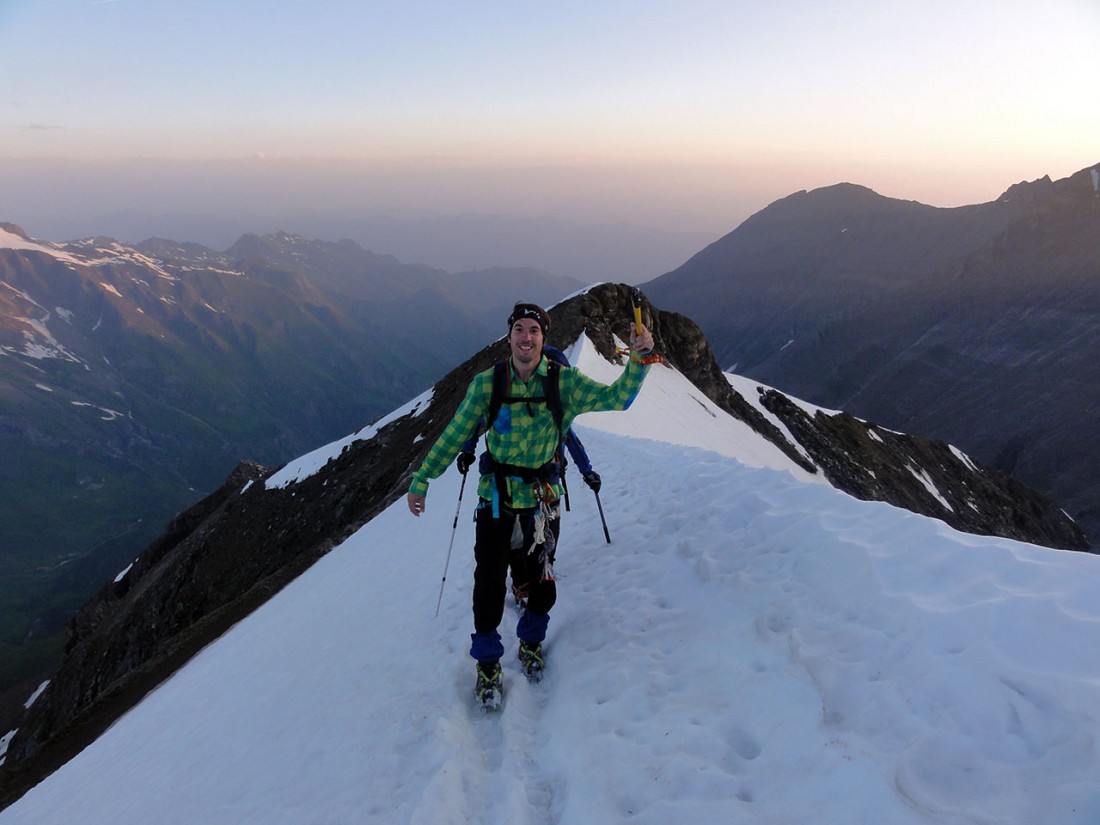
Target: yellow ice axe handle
[[638, 319]]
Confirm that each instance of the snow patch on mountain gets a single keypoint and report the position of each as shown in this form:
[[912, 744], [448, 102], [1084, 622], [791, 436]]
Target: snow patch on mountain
[[312, 462], [39, 343], [9, 240], [108, 414], [929, 485]]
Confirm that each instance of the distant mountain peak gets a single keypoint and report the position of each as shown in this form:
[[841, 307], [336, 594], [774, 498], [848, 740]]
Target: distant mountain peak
[[975, 324], [13, 229]]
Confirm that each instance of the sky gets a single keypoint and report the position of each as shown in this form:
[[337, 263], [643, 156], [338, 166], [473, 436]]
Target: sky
[[685, 116], [752, 646]]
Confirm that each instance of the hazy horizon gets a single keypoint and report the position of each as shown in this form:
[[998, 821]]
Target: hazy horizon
[[683, 118], [593, 222]]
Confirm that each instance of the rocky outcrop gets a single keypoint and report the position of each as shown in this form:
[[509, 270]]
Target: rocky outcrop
[[236, 548], [923, 475]]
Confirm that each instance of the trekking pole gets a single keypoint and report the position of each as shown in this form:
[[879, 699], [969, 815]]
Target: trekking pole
[[454, 530], [603, 521]]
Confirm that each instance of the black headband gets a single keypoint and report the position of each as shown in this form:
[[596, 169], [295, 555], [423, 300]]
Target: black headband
[[532, 311]]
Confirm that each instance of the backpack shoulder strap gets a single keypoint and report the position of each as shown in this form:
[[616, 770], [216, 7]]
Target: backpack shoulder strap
[[501, 386], [553, 393], [500, 389]]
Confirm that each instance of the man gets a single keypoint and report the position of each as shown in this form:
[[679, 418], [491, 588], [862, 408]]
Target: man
[[517, 504], [518, 563]]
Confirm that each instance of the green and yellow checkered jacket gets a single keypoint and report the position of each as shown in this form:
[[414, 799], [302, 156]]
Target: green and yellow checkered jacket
[[524, 435]]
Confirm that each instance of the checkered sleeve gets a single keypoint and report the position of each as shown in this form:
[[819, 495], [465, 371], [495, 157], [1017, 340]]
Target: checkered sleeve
[[587, 395], [463, 426]]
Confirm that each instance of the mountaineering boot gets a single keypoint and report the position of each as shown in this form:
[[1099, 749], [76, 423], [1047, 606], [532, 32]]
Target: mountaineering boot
[[489, 688], [530, 659]]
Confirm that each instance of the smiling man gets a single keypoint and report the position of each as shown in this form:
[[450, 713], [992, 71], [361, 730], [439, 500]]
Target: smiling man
[[519, 489]]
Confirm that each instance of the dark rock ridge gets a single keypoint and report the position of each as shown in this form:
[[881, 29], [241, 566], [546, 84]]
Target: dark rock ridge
[[923, 475], [233, 550]]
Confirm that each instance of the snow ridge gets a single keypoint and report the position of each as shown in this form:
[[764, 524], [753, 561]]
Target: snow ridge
[[752, 647]]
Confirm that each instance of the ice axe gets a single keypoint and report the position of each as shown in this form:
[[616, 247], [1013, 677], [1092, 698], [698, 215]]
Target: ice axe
[[636, 300]]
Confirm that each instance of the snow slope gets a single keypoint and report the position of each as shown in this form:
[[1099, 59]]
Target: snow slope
[[752, 648]]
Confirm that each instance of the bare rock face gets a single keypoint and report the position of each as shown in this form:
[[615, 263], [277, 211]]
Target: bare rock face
[[233, 550], [925, 476]]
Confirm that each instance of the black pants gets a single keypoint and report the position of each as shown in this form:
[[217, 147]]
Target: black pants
[[493, 554]]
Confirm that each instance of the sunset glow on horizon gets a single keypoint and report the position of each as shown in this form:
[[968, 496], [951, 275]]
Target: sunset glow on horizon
[[943, 102]]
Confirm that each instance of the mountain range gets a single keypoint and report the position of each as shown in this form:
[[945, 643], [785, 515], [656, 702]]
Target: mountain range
[[749, 594], [134, 378], [978, 325]]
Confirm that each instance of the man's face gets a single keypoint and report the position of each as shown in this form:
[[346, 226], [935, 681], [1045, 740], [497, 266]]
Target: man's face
[[525, 339]]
